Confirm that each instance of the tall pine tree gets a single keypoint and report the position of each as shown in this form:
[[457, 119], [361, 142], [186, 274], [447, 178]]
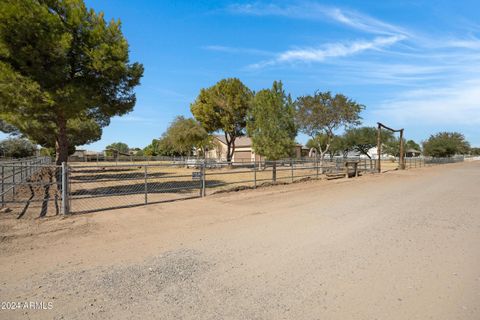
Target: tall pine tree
[[271, 124], [64, 72]]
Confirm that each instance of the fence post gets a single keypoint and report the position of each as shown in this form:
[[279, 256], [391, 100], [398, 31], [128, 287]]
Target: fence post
[[316, 163], [274, 171], [65, 209], [13, 181], [291, 165], [146, 185], [3, 186], [203, 191], [255, 173]]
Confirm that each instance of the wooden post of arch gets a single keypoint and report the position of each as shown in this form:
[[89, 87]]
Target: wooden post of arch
[[379, 146], [402, 152]]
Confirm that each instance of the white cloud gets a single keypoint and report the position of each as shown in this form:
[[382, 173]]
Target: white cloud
[[315, 11], [390, 34], [429, 79], [331, 50], [473, 44], [364, 22], [129, 118], [236, 50], [457, 104]]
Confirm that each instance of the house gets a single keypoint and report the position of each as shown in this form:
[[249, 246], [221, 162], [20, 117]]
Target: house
[[412, 153], [78, 154], [243, 150], [84, 155], [373, 153], [408, 153]]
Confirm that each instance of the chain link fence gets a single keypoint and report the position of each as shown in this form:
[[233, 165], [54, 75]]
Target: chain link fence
[[38, 188], [93, 188], [30, 185], [418, 162]]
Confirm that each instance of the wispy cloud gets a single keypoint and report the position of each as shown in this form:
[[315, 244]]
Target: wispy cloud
[[436, 76], [441, 105], [364, 23], [386, 34], [315, 11], [131, 118], [473, 44], [236, 50], [330, 50]]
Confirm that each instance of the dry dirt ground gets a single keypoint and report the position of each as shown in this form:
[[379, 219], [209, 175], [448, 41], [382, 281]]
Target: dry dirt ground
[[401, 245]]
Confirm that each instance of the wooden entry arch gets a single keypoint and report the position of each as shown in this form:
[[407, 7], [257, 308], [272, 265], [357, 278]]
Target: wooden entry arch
[[379, 146]]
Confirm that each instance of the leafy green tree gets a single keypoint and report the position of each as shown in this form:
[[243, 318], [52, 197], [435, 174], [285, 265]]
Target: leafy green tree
[[338, 145], [365, 138], [224, 107], [47, 152], [187, 135], [271, 124], [8, 128], [183, 136], [64, 72], [152, 148], [137, 152], [475, 151], [165, 147], [79, 132], [119, 147], [17, 148], [317, 143], [322, 114], [410, 144], [446, 144], [392, 146]]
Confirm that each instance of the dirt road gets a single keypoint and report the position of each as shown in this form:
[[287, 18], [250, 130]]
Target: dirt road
[[403, 245]]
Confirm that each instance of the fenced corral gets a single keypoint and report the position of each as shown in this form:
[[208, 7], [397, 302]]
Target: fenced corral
[[112, 185], [223, 176], [27, 184], [119, 159], [418, 162], [37, 188], [93, 188]]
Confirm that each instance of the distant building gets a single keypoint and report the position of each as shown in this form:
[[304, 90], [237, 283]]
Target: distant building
[[84, 155], [243, 150], [411, 153]]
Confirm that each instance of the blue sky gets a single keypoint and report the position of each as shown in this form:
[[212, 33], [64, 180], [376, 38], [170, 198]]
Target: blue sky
[[414, 64]]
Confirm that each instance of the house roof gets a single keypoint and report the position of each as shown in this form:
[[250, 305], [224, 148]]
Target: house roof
[[239, 142], [413, 151], [84, 152]]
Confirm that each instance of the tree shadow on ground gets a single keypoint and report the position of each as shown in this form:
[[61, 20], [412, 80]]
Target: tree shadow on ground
[[152, 187], [103, 169], [119, 176]]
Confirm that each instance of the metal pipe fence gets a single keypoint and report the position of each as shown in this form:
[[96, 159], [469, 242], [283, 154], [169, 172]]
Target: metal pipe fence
[[36, 187], [418, 162], [15, 172]]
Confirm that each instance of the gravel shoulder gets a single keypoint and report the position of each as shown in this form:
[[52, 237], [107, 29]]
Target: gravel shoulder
[[401, 245]]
